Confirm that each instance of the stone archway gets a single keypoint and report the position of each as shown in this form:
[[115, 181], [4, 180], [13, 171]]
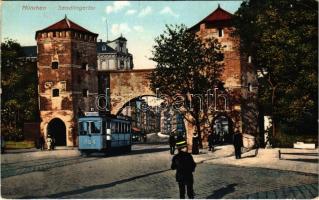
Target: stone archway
[[57, 130], [223, 129]]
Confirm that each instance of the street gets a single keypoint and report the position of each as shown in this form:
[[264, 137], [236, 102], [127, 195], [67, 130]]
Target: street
[[143, 173]]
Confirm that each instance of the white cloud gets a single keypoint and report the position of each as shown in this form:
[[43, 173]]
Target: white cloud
[[120, 28], [130, 12], [169, 11], [138, 28], [116, 6], [145, 11]]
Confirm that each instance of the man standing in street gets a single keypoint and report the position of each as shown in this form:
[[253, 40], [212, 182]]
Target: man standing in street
[[172, 143], [184, 164], [210, 142], [238, 143]]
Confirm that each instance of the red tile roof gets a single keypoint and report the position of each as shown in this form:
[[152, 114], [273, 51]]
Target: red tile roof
[[217, 15], [66, 24]]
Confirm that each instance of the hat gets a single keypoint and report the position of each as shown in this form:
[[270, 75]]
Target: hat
[[181, 144]]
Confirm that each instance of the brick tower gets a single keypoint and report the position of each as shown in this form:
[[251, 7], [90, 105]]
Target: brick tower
[[239, 76], [67, 73]]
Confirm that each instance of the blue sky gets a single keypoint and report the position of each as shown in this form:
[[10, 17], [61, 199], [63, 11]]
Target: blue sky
[[139, 21]]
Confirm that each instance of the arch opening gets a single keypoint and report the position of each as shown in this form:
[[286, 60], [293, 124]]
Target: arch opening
[[57, 130], [222, 127]]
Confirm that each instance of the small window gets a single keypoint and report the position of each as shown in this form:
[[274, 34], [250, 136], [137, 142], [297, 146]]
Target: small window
[[85, 66], [54, 34], [103, 48], [220, 32], [249, 59], [55, 92], [250, 87], [55, 65], [85, 92], [122, 64], [79, 79]]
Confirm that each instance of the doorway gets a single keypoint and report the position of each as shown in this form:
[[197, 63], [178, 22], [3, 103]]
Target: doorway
[[57, 130]]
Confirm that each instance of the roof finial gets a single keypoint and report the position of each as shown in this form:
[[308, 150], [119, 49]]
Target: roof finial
[[218, 5], [67, 21]]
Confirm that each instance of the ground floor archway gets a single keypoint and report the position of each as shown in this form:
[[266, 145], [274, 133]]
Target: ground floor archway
[[222, 128], [57, 130]]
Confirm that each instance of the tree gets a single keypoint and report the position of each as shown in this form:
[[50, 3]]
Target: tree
[[186, 69], [281, 36], [19, 101]]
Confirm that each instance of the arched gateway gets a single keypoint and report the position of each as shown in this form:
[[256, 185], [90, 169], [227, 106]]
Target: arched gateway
[[57, 130]]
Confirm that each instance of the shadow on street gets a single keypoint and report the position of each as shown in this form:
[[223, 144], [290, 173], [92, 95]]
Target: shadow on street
[[220, 193], [97, 187]]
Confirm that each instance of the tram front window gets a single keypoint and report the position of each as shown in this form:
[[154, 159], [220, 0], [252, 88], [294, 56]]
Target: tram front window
[[95, 127], [83, 128]]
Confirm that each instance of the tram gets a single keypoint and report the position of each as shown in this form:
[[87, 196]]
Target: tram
[[104, 133]]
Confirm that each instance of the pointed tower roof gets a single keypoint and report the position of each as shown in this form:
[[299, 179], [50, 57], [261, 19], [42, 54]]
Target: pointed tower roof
[[218, 15], [66, 24]]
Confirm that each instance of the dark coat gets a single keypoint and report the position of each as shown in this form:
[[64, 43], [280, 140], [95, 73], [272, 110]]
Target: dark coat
[[172, 141], [184, 164], [210, 139], [238, 140]]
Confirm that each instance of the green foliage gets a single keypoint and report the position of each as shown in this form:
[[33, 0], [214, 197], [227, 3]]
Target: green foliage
[[282, 38], [186, 65], [19, 89]]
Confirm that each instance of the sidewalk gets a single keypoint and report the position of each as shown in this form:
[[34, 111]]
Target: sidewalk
[[299, 160]]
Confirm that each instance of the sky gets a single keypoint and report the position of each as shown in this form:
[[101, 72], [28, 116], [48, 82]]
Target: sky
[[140, 22]]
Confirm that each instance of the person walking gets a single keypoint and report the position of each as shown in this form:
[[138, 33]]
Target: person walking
[[195, 146], [238, 143], [210, 141], [172, 143], [49, 142], [41, 142], [184, 165]]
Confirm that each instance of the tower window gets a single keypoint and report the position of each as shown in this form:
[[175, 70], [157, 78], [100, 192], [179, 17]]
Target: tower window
[[250, 87], [85, 66], [55, 65], [85, 92], [121, 64], [220, 32], [55, 92], [249, 59]]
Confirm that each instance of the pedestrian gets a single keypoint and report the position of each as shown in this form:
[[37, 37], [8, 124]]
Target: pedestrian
[[49, 142], [172, 143], [184, 164], [210, 141], [2, 143], [41, 142], [53, 143], [238, 143], [195, 146]]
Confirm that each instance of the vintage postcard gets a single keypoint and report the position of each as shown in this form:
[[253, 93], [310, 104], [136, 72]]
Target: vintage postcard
[[159, 99]]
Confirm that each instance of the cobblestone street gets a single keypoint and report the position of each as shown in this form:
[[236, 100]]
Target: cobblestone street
[[143, 173]]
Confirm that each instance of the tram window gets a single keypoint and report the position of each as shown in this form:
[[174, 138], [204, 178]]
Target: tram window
[[103, 127], [123, 128], [120, 127], [108, 125], [83, 128], [129, 128], [113, 127], [95, 127], [116, 127]]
